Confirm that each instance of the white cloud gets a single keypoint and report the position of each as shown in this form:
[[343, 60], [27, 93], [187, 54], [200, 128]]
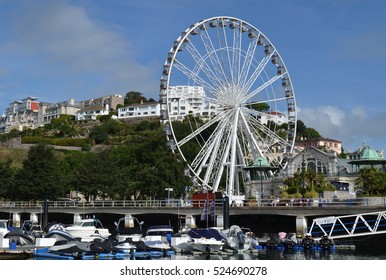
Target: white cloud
[[79, 49], [352, 128]]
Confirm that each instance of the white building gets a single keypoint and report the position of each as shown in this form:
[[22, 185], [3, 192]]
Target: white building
[[99, 107], [92, 112], [140, 110], [20, 115], [273, 116], [49, 111], [189, 100]]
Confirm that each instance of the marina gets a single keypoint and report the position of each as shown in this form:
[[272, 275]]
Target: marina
[[132, 242]]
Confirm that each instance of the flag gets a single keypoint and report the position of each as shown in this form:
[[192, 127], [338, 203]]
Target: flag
[[204, 213], [212, 210]]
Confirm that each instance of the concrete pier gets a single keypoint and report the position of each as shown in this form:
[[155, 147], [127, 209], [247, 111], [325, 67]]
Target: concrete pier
[[301, 224]]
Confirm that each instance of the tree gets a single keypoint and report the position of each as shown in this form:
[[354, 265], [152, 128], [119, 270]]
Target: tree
[[313, 183], [6, 179], [134, 97], [97, 175], [261, 107], [372, 181], [312, 133], [39, 178]]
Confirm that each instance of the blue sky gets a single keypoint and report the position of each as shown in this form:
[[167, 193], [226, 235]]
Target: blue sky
[[335, 52]]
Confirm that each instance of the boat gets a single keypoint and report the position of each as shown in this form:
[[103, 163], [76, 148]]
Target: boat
[[61, 236], [206, 240], [288, 240], [128, 227], [156, 238], [32, 228], [308, 242], [325, 242], [3, 227], [181, 242], [238, 238], [78, 248], [162, 233], [88, 229]]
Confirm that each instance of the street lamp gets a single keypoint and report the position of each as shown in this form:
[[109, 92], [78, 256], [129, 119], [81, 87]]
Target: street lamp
[[303, 169], [261, 182]]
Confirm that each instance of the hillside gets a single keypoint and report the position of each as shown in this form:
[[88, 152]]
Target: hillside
[[17, 156]]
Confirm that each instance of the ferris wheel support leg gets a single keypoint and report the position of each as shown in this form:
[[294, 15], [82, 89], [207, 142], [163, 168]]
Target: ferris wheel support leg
[[232, 169]]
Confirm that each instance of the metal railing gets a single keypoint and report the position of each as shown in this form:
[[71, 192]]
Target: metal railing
[[176, 203]]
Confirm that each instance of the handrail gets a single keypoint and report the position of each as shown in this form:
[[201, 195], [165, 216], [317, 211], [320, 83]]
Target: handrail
[[176, 203]]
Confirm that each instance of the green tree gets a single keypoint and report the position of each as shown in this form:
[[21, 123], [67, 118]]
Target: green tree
[[309, 184], [261, 107], [372, 181], [312, 133], [39, 178], [134, 97], [6, 179], [97, 175]]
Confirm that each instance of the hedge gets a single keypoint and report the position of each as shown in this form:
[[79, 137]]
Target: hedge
[[77, 142]]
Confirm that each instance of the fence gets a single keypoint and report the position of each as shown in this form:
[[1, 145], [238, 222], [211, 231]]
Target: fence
[[305, 202]]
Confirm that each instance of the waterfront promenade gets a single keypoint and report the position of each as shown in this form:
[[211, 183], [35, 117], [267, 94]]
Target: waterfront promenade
[[307, 207]]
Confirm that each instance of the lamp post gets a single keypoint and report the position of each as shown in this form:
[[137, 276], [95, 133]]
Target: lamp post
[[261, 182], [303, 169]]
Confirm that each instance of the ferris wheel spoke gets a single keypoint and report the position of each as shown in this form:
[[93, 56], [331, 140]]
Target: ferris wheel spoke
[[256, 73], [222, 160], [248, 60], [199, 130], [262, 87], [267, 101], [218, 69], [201, 64], [202, 157], [251, 138], [233, 147], [270, 135], [207, 149], [191, 75], [213, 157], [236, 50], [225, 54], [267, 149]]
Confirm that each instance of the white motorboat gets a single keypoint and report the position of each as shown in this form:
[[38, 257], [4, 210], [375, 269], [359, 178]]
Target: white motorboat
[[239, 239], [161, 233], [128, 227], [203, 240], [3, 227], [88, 229], [157, 238]]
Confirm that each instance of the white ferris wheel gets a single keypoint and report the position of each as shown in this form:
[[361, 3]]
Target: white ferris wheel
[[226, 82]]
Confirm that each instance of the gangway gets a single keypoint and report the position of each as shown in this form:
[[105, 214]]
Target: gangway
[[349, 226]]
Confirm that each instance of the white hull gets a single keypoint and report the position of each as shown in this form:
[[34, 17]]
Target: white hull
[[206, 245], [83, 232]]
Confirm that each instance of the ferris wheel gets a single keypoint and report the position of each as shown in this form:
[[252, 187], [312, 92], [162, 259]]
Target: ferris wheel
[[226, 100]]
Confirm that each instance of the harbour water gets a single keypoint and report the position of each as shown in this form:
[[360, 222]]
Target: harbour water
[[261, 254]]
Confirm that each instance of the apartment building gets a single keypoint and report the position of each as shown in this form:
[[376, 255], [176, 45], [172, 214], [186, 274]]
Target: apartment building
[[20, 115]]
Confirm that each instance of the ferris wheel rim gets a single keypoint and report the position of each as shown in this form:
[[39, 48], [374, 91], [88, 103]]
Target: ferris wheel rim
[[178, 44]]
